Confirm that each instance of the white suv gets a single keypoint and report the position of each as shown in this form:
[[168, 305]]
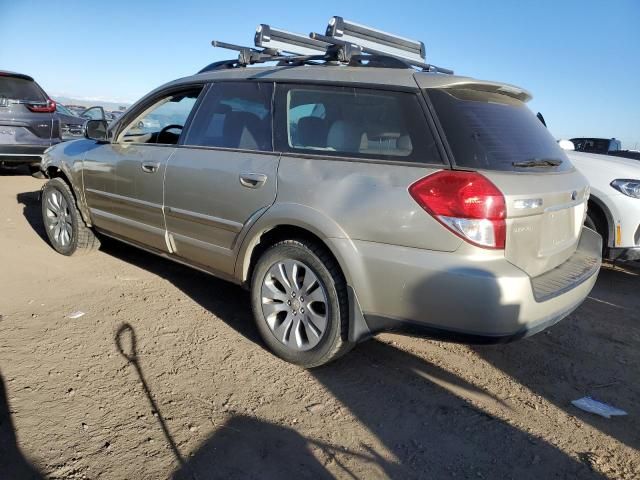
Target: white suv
[[614, 205]]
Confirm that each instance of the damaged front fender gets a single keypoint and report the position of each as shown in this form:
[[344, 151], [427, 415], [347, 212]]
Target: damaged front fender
[[66, 160]]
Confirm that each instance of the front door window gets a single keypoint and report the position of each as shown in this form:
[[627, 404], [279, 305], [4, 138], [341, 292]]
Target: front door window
[[162, 123]]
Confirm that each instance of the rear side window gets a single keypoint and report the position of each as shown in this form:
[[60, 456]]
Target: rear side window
[[491, 131], [234, 115], [354, 122], [20, 89]]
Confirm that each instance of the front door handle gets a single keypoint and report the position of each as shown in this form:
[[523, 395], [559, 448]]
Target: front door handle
[[252, 180], [150, 167]]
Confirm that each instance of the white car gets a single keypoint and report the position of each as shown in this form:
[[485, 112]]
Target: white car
[[614, 205]]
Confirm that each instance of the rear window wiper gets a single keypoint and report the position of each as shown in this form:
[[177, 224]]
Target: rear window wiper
[[538, 162]]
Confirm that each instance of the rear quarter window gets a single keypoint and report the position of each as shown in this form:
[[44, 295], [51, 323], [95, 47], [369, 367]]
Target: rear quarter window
[[20, 89], [353, 122], [492, 131]]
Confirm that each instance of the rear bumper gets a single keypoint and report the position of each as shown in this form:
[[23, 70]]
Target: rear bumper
[[475, 299], [19, 154]]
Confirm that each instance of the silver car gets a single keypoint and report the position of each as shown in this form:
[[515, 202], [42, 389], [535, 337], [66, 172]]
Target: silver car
[[350, 199]]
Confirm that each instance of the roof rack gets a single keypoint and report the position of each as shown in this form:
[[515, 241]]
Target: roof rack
[[284, 41], [344, 42], [375, 39]]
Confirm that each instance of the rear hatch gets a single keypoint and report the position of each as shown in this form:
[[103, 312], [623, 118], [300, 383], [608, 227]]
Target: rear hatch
[[26, 112], [489, 129]]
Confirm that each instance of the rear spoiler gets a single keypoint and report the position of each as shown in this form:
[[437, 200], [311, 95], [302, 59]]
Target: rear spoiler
[[433, 81], [16, 75]]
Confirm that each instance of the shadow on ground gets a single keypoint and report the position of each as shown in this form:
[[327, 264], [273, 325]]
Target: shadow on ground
[[598, 349], [20, 170], [416, 410], [32, 212], [13, 464]]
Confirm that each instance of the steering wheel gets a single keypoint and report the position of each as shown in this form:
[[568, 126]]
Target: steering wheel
[[170, 127]]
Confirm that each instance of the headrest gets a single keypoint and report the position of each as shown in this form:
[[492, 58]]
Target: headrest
[[241, 130], [344, 137], [311, 132]]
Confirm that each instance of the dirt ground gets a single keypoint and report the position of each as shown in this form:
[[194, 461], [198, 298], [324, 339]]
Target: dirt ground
[[165, 377]]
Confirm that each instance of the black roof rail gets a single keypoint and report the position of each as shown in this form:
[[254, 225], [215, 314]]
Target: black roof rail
[[345, 42]]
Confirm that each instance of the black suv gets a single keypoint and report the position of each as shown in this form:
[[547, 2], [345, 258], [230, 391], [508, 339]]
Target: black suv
[[28, 122]]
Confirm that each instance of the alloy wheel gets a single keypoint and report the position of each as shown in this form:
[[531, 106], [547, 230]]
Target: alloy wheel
[[295, 304], [58, 220]]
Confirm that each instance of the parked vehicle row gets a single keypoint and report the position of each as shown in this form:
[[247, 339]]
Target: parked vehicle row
[[72, 122], [350, 196], [28, 124], [614, 204], [603, 146], [30, 121]]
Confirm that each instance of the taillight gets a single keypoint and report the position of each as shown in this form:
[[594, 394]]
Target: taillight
[[42, 107], [467, 203]]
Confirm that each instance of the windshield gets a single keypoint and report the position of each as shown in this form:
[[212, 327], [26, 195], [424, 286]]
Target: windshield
[[491, 131], [20, 89]]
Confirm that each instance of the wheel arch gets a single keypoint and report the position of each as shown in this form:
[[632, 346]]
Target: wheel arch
[[270, 234], [597, 205], [62, 171], [267, 236]]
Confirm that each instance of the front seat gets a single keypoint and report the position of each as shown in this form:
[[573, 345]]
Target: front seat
[[245, 130], [311, 132]]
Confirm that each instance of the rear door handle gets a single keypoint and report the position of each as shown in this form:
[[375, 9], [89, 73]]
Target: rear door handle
[[252, 180], [150, 167]]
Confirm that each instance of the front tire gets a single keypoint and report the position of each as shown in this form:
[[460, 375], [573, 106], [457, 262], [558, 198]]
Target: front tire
[[299, 300], [63, 223]]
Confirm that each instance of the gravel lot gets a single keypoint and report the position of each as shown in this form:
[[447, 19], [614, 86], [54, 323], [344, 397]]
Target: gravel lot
[[165, 377]]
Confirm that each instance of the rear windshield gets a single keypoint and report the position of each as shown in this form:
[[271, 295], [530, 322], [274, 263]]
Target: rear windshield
[[491, 131], [20, 89]]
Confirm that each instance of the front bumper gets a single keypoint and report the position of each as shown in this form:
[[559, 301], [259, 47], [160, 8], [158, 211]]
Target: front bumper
[[623, 254], [475, 299]]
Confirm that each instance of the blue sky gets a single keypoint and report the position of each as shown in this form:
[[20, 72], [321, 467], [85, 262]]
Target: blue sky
[[580, 59]]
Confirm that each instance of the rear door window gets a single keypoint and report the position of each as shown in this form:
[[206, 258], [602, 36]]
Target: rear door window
[[234, 115], [492, 131], [20, 89], [354, 122]]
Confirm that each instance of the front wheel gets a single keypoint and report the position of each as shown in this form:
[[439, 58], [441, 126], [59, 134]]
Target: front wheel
[[299, 300], [65, 228]]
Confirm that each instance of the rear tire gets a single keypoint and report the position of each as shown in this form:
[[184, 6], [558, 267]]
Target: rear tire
[[63, 223], [299, 299]]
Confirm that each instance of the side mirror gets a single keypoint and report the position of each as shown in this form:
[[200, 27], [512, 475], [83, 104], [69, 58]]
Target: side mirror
[[96, 130], [566, 145]]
